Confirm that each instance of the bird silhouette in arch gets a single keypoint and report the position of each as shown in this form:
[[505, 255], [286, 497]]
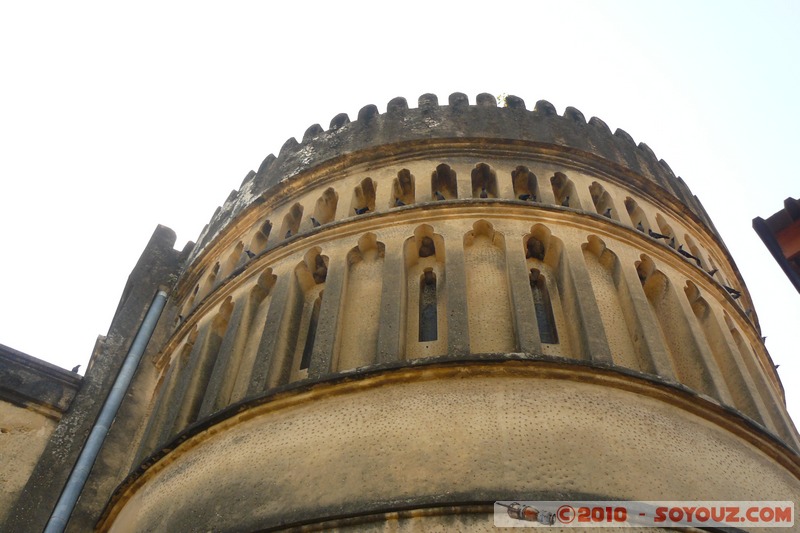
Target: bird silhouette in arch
[[565, 202], [607, 213], [398, 202], [712, 272], [484, 193], [250, 254], [315, 223], [657, 235], [639, 226], [733, 292], [527, 197], [438, 195], [686, 254], [361, 210]]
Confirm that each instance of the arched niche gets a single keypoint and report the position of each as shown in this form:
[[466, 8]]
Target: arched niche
[[544, 263], [363, 197], [484, 181], [526, 186], [444, 184], [673, 327], [291, 221], [325, 208], [603, 203], [726, 361], [362, 304], [564, 191], [615, 305], [403, 189], [259, 299], [258, 242], [425, 310], [638, 217], [488, 297]]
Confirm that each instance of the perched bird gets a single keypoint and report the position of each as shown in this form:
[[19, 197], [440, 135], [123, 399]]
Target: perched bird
[[672, 242], [361, 210], [565, 202], [398, 202], [250, 254], [484, 193], [733, 292], [427, 247], [607, 213], [288, 234], [712, 272], [314, 222], [75, 368], [657, 235], [535, 249], [438, 195], [686, 254], [527, 197], [320, 270], [640, 227]]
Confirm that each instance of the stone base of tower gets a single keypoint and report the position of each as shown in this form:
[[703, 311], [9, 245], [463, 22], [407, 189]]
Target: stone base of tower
[[458, 435]]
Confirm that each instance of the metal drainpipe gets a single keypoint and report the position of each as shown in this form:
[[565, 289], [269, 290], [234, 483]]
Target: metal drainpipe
[[77, 478]]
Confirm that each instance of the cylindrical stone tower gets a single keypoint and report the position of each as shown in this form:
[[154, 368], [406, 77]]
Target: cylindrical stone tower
[[404, 318]]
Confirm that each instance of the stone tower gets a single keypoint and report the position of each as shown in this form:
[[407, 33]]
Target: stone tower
[[404, 318]]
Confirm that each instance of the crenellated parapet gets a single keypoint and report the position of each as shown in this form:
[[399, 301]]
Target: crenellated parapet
[[402, 128]]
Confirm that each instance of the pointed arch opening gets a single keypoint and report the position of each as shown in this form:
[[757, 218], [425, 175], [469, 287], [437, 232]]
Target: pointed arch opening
[[258, 243], [232, 260], [361, 305], [638, 218], [403, 189], [204, 365], [364, 197], [564, 191], [721, 350], [543, 257], [526, 186], [253, 322], [665, 231], [425, 305], [488, 288], [444, 184], [484, 182], [603, 203], [325, 208], [694, 253], [673, 328], [208, 283], [615, 305], [291, 221]]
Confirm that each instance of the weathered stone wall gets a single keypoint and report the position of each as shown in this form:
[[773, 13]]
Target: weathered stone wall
[[446, 434], [33, 397]]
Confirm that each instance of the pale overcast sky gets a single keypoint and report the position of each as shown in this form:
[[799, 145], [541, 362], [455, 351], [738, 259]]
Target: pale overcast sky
[[116, 117]]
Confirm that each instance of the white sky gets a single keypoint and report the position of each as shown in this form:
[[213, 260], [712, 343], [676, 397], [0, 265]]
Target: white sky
[[115, 117]]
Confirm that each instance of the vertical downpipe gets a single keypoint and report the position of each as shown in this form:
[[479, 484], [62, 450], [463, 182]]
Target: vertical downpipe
[[77, 478]]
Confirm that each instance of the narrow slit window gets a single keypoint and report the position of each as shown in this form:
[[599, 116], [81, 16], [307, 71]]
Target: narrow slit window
[[428, 317], [543, 309], [311, 335]]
